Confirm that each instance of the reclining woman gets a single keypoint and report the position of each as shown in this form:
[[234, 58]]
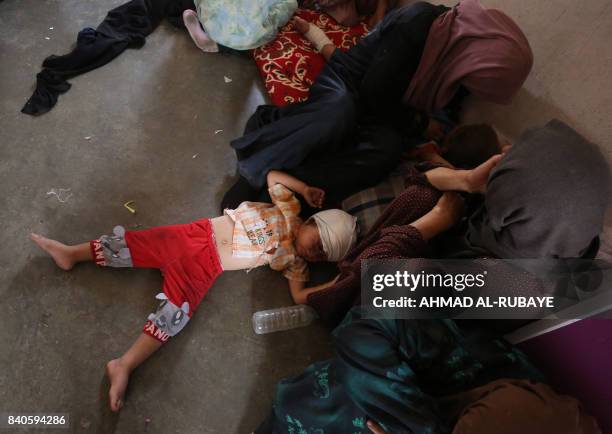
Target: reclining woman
[[366, 102], [406, 376], [517, 217], [422, 376]]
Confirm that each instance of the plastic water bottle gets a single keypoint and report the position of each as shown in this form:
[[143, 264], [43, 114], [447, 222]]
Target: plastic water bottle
[[283, 318]]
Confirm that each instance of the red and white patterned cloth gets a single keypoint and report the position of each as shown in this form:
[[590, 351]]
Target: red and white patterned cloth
[[290, 64]]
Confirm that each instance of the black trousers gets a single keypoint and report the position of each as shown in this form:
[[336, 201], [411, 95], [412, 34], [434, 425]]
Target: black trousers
[[350, 133]]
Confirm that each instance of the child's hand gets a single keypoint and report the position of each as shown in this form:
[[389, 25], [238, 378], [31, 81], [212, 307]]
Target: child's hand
[[314, 196]]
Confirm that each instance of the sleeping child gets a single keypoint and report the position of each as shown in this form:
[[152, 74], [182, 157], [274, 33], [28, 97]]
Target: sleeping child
[[191, 256]]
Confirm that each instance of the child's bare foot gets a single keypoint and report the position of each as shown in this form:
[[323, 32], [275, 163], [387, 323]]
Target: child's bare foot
[[60, 253], [118, 375], [301, 25], [202, 40]]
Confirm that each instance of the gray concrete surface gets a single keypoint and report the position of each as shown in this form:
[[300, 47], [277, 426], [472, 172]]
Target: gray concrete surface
[[148, 113]]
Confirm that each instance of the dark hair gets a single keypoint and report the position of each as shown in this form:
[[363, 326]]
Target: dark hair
[[468, 146]]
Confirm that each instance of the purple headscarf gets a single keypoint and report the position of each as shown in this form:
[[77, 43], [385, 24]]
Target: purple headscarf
[[482, 49]]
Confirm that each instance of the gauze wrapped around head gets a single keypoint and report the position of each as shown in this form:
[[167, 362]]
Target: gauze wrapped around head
[[338, 231]]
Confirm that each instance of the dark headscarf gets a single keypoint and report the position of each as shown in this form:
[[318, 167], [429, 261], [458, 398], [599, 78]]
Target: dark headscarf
[[481, 49], [546, 198]]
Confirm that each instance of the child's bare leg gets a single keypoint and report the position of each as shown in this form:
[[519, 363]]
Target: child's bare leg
[[64, 256], [119, 370]]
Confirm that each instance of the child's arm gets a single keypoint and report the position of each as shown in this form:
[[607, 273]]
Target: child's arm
[[314, 196], [300, 294]]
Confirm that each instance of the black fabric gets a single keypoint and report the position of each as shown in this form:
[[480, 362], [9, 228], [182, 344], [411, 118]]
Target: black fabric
[[376, 152], [124, 27], [366, 83]]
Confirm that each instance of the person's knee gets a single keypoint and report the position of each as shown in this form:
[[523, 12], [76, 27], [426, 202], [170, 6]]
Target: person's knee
[[168, 320]]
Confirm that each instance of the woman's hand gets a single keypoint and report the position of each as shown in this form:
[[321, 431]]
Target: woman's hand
[[375, 428], [477, 178], [314, 196]]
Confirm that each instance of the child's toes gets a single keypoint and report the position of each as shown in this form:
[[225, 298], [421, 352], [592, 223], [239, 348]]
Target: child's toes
[[115, 403], [118, 377]]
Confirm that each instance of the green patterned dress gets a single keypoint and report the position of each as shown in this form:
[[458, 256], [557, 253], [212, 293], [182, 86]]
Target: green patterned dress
[[391, 371], [244, 24]]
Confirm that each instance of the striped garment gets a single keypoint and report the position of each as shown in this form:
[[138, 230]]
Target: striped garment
[[267, 231]]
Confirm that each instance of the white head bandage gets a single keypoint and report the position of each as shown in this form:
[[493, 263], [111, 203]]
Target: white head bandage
[[338, 231]]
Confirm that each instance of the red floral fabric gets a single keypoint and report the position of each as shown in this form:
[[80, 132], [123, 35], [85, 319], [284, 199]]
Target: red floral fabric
[[289, 64]]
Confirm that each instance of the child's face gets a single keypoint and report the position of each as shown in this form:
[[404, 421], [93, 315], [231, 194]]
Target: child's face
[[308, 243]]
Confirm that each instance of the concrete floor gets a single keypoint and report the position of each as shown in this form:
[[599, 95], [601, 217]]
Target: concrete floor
[[148, 113]]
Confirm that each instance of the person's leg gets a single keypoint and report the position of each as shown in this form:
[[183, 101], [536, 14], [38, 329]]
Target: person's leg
[[172, 249], [402, 41], [202, 40], [119, 370], [323, 123], [65, 256], [187, 255]]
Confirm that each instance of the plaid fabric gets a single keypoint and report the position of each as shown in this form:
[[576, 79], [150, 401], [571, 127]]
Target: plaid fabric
[[289, 64], [266, 231], [368, 205]]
